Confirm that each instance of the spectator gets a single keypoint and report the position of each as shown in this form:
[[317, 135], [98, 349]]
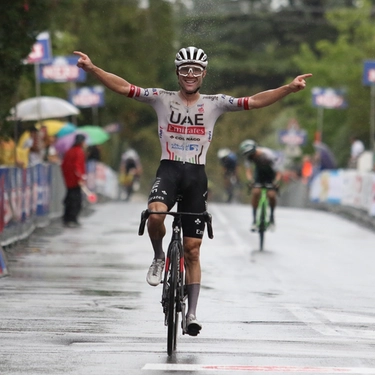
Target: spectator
[[74, 173], [93, 153], [50, 153], [7, 151], [356, 149], [130, 173]]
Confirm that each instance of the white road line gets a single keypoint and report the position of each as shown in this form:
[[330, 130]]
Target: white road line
[[281, 369], [311, 320]]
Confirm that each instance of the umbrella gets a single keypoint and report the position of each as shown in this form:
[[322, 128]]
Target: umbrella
[[68, 128], [96, 134], [43, 107], [326, 157], [53, 126], [64, 143]]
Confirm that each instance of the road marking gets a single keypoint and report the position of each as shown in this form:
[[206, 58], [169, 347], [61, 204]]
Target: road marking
[[285, 369]]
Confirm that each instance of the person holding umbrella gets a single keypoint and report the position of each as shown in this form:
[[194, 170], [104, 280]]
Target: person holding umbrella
[[74, 172]]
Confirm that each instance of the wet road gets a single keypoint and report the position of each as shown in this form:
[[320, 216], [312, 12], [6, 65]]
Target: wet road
[[77, 301]]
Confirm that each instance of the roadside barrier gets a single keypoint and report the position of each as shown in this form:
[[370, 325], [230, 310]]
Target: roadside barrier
[[33, 196], [346, 187]]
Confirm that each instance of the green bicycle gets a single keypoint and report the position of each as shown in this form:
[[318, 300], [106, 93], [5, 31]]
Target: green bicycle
[[263, 211]]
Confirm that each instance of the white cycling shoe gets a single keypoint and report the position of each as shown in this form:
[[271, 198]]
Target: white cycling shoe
[[193, 327], [155, 272]]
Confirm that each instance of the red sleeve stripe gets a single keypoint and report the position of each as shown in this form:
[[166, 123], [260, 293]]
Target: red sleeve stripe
[[134, 91], [246, 102]]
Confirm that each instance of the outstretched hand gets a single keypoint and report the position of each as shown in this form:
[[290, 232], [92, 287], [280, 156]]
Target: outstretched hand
[[299, 82], [84, 61]]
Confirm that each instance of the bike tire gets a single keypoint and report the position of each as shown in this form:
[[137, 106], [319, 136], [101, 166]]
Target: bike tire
[[262, 227], [172, 310]]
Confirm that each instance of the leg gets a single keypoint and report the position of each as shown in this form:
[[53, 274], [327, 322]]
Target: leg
[[255, 196], [193, 281], [156, 232], [272, 200]]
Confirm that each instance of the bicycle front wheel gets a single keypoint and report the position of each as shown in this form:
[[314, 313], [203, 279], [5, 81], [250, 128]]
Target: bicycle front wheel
[[172, 308], [262, 227]]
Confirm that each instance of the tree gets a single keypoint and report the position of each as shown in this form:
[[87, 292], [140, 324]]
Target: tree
[[22, 21], [339, 64]]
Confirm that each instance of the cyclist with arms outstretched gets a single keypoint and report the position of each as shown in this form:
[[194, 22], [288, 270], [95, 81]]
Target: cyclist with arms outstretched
[[186, 120], [261, 168]]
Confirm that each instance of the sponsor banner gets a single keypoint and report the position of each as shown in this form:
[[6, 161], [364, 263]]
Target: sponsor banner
[[292, 137], [327, 187], [368, 77], [328, 98], [3, 266], [87, 97], [62, 69], [43, 185], [41, 51], [2, 190]]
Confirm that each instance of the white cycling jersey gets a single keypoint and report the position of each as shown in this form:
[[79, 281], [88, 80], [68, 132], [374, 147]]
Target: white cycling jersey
[[185, 132]]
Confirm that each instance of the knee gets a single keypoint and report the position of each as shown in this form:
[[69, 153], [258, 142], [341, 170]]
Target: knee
[[192, 252]]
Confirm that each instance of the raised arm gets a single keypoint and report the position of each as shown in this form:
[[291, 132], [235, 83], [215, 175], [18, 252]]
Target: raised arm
[[113, 82], [265, 98]]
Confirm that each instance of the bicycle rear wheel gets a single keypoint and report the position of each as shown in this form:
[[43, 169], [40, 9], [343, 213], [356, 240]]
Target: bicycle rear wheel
[[172, 310]]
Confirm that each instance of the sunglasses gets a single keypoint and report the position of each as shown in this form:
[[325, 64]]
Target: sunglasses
[[185, 70]]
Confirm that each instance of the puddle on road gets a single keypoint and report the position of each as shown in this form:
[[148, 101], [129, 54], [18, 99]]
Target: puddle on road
[[108, 293]]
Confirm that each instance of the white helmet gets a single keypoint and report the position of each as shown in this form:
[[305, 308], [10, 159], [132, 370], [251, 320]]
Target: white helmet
[[248, 147], [191, 55], [223, 152]]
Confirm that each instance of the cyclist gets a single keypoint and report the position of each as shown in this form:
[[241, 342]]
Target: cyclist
[[261, 168], [228, 160], [186, 120], [130, 172]]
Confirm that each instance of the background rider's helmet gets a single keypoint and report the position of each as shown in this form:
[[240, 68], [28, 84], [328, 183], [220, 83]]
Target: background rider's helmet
[[248, 147], [191, 55], [223, 153]]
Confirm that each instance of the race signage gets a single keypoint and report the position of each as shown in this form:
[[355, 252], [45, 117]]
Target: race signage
[[62, 69], [41, 51], [86, 97], [368, 78], [328, 98]]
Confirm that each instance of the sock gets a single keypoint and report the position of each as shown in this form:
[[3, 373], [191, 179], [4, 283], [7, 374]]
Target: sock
[[158, 249], [254, 215], [193, 294]]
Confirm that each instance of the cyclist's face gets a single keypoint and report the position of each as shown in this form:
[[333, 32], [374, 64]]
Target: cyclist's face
[[190, 77]]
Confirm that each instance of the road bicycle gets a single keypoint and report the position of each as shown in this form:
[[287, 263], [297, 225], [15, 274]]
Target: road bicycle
[[174, 294], [262, 219]]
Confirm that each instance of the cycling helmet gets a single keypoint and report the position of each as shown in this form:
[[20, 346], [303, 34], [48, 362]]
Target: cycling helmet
[[248, 147], [223, 152], [191, 55]]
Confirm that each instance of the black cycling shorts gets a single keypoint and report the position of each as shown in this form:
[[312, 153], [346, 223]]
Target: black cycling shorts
[[175, 179], [264, 174]]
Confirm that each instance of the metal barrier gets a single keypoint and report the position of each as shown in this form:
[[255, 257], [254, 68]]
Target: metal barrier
[[31, 197]]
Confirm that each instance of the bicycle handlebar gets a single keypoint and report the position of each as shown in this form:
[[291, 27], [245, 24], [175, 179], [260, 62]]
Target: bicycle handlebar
[[206, 216]]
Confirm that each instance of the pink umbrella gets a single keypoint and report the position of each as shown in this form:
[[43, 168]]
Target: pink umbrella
[[64, 143]]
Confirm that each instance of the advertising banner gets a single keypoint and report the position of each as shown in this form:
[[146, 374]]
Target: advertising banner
[[62, 69], [44, 177], [87, 97], [2, 190], [368, 77], [41, 51], [328, 98]]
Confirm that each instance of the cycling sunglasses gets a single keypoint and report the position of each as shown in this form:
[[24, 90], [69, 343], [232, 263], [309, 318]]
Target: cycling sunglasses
[[185, 70]]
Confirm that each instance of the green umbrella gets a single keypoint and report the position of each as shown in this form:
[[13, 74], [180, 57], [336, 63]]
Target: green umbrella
[[96, 134]]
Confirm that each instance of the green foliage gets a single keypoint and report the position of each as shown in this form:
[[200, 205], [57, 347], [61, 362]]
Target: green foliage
[[339, 64], [21, 22]]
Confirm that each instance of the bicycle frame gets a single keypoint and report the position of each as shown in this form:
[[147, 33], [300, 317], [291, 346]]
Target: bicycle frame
[[262, 217], [174, 295]]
